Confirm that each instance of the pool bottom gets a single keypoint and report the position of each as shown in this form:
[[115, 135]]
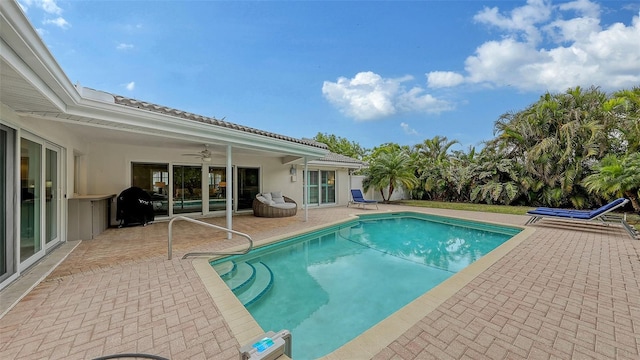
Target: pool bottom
[[372, 341]]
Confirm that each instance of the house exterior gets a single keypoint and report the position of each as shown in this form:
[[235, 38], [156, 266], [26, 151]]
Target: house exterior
[[66, 151]]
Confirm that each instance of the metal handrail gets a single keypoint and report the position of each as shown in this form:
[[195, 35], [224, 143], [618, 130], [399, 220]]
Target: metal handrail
[[211, 226]]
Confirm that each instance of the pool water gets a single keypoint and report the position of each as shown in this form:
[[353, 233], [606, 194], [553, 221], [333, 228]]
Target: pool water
[[330, 286]]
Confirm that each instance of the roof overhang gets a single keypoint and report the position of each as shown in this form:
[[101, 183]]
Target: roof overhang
[[30, 76]]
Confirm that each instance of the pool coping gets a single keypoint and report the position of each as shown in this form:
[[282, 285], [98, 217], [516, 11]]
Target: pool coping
[[366, 345]]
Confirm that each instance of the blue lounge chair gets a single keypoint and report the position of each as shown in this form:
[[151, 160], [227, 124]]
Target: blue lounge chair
[[600, 215], [585, 215], [358, 199]]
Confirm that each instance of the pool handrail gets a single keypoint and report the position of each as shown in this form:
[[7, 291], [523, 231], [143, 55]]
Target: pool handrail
[[199, 222]]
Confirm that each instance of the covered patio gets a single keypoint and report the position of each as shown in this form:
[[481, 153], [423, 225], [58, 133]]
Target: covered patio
[[563, 292]]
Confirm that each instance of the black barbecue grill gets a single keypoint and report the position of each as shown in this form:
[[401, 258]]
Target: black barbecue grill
[[134, 207]]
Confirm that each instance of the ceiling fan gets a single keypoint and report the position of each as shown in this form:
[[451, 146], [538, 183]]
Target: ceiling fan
[[204, 155]]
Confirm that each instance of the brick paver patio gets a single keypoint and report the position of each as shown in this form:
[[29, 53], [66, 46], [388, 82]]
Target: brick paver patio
[[565, 292]]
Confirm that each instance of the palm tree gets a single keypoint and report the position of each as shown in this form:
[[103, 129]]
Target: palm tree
[[497, 178], [460, 173], [617, 176], [389, 169], [556, 140], [431, 161], [624, 110], [435, 149]]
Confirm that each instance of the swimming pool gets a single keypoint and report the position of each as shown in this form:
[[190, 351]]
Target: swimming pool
[[329, 286]]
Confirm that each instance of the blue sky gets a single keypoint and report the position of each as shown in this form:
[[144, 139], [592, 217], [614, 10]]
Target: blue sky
[[371, 72]]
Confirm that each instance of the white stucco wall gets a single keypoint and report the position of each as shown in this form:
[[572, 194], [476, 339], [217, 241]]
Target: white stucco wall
[[356, 183], [56, 134], [106, 167], [109, 170]]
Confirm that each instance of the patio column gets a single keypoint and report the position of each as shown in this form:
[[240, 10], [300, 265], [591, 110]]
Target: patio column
[[229, 194], [306, 190]]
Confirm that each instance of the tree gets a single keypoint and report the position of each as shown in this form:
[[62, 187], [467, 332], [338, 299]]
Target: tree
[[342, 146], [431, 161], [389, 169], [556, 140], [624, 109], [617, 176], [497, 178]]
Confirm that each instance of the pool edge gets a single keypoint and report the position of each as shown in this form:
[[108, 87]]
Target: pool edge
[[245, 328], [242, 325], [378, 337]]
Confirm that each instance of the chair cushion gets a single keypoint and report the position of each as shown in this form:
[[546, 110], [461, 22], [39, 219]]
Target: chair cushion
[[262, 199], [268, 197], [277, 197]]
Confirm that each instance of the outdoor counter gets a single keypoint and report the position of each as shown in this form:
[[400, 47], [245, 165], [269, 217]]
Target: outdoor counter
[[89, 215]]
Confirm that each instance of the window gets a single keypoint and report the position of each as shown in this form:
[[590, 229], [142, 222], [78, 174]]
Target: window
[[328, 187], [248, 187], [187, 189], [217, 184], [154, 179], [322, 187]]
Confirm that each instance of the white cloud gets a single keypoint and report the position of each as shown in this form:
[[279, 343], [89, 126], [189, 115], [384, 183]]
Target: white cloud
[[437, 79], [576, 51], [407, 129], [583, 7], [130, 86], [123, 46], [521, 19], [59, 22], [578, 29], [48, 6], [369, 96]]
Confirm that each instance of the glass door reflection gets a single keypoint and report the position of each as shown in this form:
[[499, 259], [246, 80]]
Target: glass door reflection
[[187, 189], [217, 188], [52, 198], [30, 198]]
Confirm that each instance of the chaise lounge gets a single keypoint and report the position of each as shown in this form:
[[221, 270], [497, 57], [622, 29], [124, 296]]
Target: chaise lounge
[[359, 199], [273, 205], [600, 215]]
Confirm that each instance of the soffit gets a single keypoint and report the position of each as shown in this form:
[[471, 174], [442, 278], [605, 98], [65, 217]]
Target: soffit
[[91, 132], [19, 94], [30, 78]]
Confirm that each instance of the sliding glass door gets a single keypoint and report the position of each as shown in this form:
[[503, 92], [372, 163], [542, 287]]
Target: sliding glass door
[[7, 210], [187, 189], [193, 189], [217, 183], [52, 195], [322, 187], [248, 187], [30, 198], [154, 179]]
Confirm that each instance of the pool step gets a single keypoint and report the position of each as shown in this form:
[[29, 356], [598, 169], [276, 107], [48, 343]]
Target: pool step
[[225, 269], [249, 282], [260, 287], [243, 277]]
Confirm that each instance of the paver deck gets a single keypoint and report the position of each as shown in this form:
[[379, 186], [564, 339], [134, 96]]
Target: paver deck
[[564, 292]]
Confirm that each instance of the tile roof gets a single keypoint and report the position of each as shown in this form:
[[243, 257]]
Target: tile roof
[[125, 101], [337, 158]]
